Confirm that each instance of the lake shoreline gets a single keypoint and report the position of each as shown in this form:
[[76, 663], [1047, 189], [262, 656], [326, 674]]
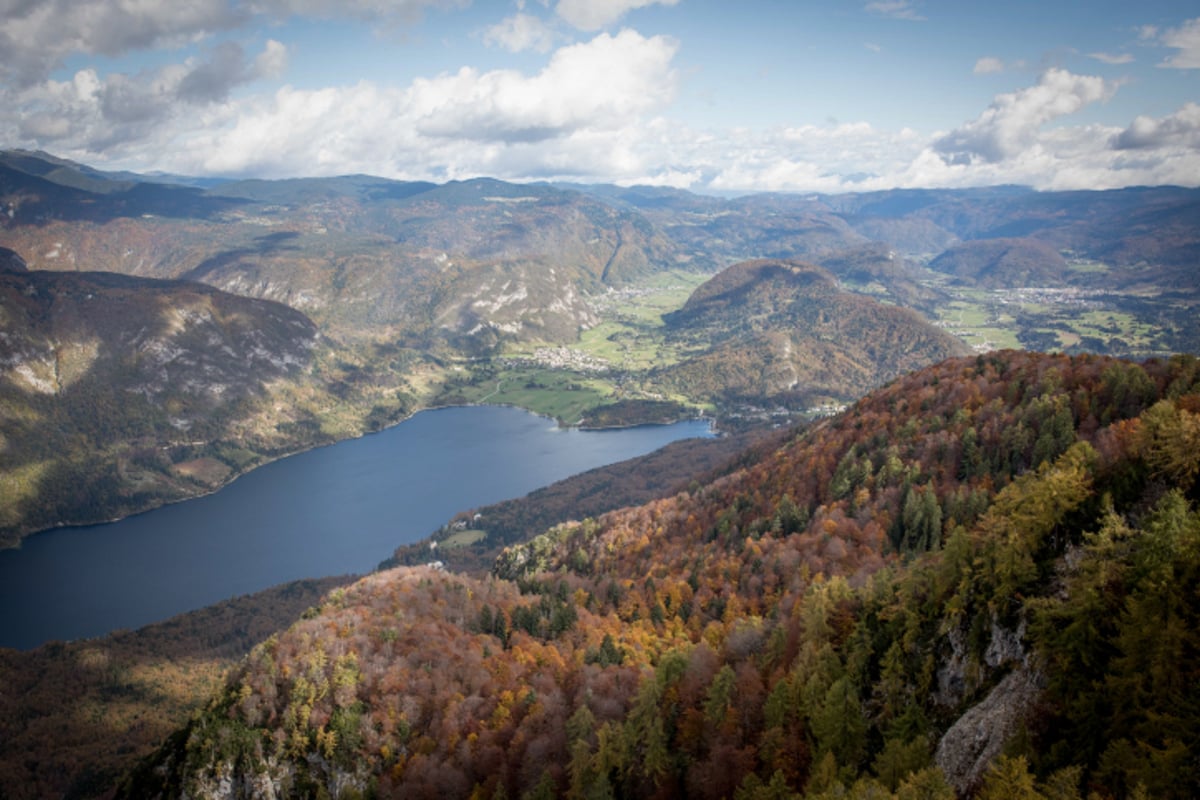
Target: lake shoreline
[[319, 511], [267, 459]]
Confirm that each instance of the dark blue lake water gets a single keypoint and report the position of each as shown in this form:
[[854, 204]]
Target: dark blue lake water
[[335, 510]]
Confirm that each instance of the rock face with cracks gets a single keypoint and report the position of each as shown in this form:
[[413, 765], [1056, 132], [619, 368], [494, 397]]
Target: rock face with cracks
[[972, 743]]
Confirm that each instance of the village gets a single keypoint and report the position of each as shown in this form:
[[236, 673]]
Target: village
[[564, 358]]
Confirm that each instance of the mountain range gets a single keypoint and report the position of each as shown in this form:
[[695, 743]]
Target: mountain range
[[980, 578], [401, 293]]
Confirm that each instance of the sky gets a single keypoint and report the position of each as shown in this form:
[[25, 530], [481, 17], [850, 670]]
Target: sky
[[706, 95]]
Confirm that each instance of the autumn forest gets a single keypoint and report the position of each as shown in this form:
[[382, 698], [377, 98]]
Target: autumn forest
[[983, 578]]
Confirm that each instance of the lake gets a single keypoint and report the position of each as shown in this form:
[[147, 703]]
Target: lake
[[330, 511]]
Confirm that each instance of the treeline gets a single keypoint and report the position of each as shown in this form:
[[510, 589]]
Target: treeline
[[982, 579]]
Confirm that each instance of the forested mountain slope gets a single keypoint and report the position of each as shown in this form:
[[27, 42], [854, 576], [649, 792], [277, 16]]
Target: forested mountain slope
[[106, 381], [396, 284], [784, 331], [981, 578], [998, 263], [75, 715]]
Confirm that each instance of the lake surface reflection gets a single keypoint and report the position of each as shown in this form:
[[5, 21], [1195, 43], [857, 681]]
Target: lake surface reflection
[[334, 510]]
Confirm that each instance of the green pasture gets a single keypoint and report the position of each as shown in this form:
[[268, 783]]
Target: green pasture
[[980, 322], [462, 539], [561, 394], [1105, 324]]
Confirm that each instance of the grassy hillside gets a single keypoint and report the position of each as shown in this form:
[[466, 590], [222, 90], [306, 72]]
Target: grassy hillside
[[981, 578]]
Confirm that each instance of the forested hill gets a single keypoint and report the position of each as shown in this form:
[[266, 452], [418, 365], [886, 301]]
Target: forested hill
[[783, 331], [107, 383], [983, 578]]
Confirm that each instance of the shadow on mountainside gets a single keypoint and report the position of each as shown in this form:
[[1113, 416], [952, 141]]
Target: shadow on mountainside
[[264, 245], [29, 199]]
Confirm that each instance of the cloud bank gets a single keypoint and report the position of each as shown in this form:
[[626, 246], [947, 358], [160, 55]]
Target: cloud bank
[[1012, 124], [209, 114]]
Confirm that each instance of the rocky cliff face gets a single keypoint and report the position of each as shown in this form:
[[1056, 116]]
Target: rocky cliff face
[[977, 738]]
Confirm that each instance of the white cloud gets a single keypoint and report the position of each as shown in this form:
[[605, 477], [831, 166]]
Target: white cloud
[[896, 9], [272, 61], [988, 65], [93, 114], [564, 97], [1112, 58], [1181, 129], [1013, 121], [849, 156], [1185, 39], [592, 15], [559, 121], [35, 37], [521, 32]]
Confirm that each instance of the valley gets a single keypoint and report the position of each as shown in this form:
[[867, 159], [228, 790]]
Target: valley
[[599, 400], [977, 577], [338, 509], [566, 300], [1135, 324], [624, 355], [583, 303], [927, 420]]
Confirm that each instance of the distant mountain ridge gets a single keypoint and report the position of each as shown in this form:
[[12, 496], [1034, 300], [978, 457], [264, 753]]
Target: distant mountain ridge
[[359, 254], [643, 227]]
